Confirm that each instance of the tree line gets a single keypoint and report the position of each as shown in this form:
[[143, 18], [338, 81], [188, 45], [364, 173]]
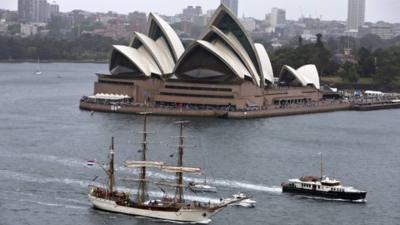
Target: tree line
[[370, 57], [86, 47]]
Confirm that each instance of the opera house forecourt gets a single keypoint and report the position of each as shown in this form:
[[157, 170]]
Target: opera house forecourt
[[223, 73]]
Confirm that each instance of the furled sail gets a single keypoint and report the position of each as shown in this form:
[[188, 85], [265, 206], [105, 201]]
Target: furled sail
[[175, 169], [136, 164]]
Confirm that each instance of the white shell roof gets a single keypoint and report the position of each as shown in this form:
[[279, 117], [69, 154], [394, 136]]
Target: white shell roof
[[245, 56], [234, 43], [223, 9], [253, 56], [138, 57], [154, 55], [221, 51], [307, 74], [163, 59], [157, 52], [264, 62], [231, 58], [172, 38], [310, 74]]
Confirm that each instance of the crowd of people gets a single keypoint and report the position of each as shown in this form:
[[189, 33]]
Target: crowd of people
[[228, 108], [282, 104]]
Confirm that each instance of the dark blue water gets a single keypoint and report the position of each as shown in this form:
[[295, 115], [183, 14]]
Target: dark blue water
[[45, 141]]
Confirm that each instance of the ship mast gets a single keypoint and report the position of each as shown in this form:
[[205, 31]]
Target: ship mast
[[179, 177], [322, 167], [142, 176], [110, 171]]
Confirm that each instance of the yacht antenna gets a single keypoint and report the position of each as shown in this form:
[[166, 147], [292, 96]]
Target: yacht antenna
[[322, 168]]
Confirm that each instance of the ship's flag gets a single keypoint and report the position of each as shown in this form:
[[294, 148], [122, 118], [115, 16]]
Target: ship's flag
[[91, 162]]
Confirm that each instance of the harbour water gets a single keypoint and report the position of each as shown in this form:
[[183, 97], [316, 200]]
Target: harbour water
[[45, 142]]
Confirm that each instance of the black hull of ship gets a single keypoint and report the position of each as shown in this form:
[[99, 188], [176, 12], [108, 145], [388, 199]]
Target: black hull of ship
[[350, 196]]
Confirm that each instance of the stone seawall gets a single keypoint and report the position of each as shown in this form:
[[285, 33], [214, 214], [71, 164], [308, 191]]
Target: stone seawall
[[216, 113], [290, 111], [376, 106]]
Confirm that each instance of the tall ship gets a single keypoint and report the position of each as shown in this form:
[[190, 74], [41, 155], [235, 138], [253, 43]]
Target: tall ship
[[175, 208], [323, 187]]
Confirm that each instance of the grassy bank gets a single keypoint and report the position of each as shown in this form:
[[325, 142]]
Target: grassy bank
[[363, 83]]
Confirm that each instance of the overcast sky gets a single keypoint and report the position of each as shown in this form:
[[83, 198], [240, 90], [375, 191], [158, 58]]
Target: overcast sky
[[386, 10]]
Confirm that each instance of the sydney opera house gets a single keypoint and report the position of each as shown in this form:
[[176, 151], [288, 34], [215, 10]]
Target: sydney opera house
[[224, 67]]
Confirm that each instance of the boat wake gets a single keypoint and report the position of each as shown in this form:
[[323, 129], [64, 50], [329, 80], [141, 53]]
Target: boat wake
[[229, 184], [333, 199], [49, 204], [70, 162], [178, 222], [73, 201], [55, 204], [44, 180], [248, 186]]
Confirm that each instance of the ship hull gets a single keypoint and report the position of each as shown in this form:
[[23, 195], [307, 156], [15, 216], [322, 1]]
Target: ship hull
[[203, 189], [350, 196], [181, 215]]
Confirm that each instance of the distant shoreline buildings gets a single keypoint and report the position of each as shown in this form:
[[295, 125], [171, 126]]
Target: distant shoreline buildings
[[38, 17], [233, 5], [36, 11], [277, 17], [355, 15]]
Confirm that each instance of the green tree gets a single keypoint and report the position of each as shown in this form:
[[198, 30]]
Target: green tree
[[388, 66], [349, 73], [347, 42], [314, 53], [332, 68], [371, 41], [332, 45], [282, 56], [366, 62], [14, 29]]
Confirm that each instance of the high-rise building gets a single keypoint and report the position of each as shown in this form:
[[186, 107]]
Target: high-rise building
[[25, 10], [233, 5], [355, 14], [190, 12], [33, 10], [54, 9], [277, 17], [249, 23], [43, 12]]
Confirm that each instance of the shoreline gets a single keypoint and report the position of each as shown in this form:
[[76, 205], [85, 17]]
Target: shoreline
[[106, 61], [276, 112], [376, 106]]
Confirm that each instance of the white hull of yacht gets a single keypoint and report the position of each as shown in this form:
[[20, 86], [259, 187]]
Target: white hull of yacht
[[183, 215], [203, 188]]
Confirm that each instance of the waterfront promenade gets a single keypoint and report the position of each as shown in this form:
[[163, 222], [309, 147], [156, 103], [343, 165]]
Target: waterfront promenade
[[272, 111]]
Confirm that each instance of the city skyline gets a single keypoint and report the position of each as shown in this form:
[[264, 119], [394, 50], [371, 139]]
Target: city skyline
[[375, 10], [356, 14], [233, 5]]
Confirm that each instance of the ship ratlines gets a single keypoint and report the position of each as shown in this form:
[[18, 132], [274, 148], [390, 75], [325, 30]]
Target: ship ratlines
[[323, 187], [175, 208]]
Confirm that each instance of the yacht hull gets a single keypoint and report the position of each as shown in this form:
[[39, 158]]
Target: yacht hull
[[350, 196], [182, 215]]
